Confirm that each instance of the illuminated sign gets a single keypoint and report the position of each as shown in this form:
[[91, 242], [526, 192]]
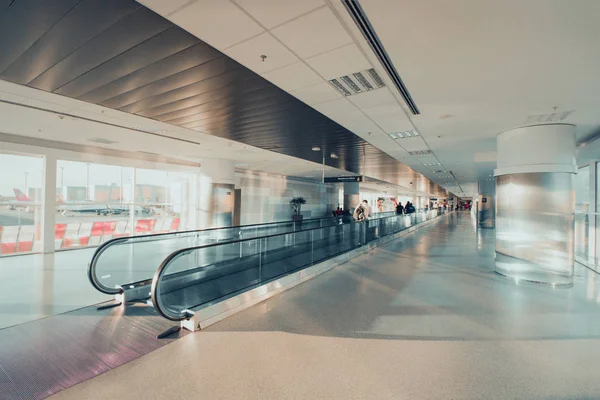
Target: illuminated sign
[[339, 179]]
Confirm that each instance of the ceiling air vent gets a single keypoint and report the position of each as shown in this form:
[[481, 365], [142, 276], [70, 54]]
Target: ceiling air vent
[[358, 82], [420, 152], [362, 22], [101, 140], [552, 117], [402, 135]]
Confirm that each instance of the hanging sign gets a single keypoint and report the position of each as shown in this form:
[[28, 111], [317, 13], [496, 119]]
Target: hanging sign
[[339, 179]]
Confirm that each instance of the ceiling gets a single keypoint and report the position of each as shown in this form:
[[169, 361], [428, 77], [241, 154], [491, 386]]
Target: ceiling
[[129, 60], [474, 68], [57, 121]]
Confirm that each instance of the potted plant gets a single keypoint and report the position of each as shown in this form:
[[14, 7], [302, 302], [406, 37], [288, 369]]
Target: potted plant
[[296, 204]]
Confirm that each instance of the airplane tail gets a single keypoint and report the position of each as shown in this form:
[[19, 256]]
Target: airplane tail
[[21, 196]]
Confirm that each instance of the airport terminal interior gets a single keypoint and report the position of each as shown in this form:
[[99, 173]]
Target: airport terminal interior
[[299, 199]]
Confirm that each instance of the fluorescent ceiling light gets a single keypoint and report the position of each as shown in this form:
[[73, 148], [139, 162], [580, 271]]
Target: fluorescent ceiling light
[[333, 155], [400, 135], [316, 148], [415, 133], [393, 135]]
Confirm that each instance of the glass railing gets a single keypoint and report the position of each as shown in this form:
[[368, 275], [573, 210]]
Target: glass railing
[[125, 261], [196, 276], [586, 239]]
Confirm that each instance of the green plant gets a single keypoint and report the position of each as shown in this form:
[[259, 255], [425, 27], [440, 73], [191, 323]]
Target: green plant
[[296, 203]]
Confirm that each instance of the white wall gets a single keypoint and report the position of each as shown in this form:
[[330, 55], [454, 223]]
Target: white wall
[[266, 197]]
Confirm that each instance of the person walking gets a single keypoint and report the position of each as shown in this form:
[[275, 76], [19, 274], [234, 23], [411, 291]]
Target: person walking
[[362, 212], [399, 209]]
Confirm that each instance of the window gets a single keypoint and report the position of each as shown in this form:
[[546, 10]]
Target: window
[[93, 203], [20, 203], [164, 201], [582, 189]]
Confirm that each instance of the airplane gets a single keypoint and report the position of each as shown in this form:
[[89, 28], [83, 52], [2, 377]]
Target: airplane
[[89, 207], [20, 202], [84, 207]]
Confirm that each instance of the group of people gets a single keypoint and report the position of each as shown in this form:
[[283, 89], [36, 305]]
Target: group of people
[[339, 212], [363, 211], [409, 208]]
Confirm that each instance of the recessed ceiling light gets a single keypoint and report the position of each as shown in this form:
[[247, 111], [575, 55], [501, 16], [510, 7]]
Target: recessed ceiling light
[[415, 133], [393, 135], [316, 148], [333, 155], [400, 135]]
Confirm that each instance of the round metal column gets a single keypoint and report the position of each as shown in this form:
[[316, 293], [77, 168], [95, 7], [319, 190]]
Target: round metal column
[[535, 204], [351, 195]]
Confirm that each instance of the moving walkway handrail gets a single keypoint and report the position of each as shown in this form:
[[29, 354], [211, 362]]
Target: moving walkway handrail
[[181, 252], [93, 278], [92, 266]]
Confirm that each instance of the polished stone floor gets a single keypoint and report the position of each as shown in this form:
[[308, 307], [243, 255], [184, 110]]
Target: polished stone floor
[[36, 286], [423, 317]]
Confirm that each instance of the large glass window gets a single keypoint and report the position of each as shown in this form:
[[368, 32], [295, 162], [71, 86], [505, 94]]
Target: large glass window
[[581, 186], [93, 204], [164, 201], [20, 203], [99, 202], [582, 189]]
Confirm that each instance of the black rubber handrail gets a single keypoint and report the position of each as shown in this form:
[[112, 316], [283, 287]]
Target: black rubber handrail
[[91, 271], [93, 278], [181, 252]]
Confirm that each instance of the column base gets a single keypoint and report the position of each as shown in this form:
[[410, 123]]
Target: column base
[[525, 271]]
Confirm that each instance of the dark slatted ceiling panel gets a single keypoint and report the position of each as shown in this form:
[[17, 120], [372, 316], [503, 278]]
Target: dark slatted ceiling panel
[[74, 30], [191, 57], [24, 22], [121, 55], [127, 33], [212, 75]]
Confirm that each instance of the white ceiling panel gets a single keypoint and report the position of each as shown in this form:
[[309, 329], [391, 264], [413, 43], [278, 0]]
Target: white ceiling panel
[[413, 144], [390, 117], [163, 7], [249, 53], [372, 98], [361, 125], [312, 34], [202, 17], [316, 94], [293, 77], [336, 108], [485, 156], [271, 13], [391, 123], [339, 62], [429, 159], [389, 109]]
